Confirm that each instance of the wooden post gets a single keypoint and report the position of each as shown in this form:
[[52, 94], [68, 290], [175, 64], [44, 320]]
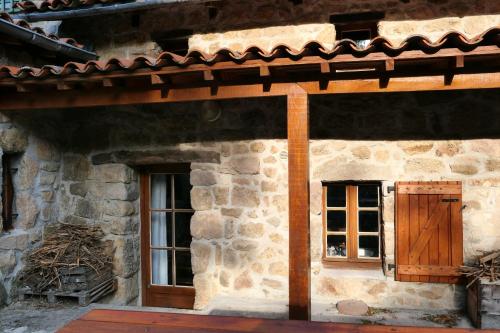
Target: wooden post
[[298, 192]]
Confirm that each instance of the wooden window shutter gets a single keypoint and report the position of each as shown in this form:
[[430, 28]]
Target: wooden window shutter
[[429, 231]]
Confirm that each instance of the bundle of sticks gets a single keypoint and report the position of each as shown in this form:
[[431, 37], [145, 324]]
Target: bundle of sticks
[[487, 267], [66, 246]]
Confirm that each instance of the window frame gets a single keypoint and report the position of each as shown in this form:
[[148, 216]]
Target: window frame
[[352, 233]]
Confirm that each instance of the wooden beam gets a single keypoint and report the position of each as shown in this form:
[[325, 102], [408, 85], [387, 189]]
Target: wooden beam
[[123, 96], [264, 71], [402, 84], [298, 194]]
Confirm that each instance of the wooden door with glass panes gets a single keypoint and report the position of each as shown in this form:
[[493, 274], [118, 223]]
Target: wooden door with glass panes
[[167, 276]]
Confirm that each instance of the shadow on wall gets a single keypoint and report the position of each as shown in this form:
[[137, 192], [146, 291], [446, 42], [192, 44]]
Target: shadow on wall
[[392, 116]]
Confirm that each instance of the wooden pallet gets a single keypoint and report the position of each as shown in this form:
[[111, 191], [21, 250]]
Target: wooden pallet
[[84, 297]]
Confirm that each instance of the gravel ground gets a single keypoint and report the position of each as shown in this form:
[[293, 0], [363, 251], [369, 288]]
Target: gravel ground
[[36, 316]]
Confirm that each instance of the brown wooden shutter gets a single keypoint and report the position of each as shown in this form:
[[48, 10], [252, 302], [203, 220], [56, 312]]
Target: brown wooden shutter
[[429, 232]]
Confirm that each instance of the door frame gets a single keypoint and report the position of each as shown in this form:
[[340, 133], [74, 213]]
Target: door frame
[[167, 296]]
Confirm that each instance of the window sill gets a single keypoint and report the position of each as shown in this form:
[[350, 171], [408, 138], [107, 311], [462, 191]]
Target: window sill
[[361, 264]]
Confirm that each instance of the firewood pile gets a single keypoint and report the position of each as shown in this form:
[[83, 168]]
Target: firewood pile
[[67, 247], [487, 267]]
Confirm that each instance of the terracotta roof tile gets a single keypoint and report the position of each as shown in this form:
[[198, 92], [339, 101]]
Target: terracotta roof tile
[[38, 30], [450, 40], [46, 5]]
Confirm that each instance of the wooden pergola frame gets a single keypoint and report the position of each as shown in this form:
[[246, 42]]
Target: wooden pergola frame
[[328, 80]]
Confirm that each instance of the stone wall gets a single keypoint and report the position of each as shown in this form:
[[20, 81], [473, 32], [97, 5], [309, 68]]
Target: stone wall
[[238, 156], [238, 24], [35, 179]]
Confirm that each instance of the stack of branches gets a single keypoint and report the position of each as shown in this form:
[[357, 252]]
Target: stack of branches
[[67, 246], [487, 267]]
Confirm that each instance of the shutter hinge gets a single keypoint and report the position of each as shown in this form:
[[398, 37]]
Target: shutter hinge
[[391, 266], [449, 200], [391, 189]]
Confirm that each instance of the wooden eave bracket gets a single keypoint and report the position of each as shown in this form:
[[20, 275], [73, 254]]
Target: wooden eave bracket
[[326, 70], [265, 75]]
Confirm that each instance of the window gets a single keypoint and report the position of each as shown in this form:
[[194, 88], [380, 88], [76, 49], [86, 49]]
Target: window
[[359, 27], [352, 223], [174, 41], [7, 5]]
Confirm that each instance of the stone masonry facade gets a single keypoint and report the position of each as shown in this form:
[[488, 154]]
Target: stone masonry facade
[[80, 166], [240, 193]]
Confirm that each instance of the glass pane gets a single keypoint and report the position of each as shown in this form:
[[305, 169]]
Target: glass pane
[[336, 246], [161, 272], [368, 196], [336, 220], [182, 229], [368, 247], [160, 191], [368, 221], [183, 269], [182, 191], [161, 229], [335, 196]]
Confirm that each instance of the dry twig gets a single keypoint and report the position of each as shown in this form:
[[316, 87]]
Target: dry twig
[[68, 246]]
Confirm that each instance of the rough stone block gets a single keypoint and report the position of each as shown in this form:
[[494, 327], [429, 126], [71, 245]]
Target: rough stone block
[[243, 281], [127, 291], [79, 189], [245, 197], [26, 175], [113, 173], [86, 208], [75, 167], [13, 140], [202, 178], [230, 258], [126, 259], [118, 208], [201, 198], [352, 307], [14, 241], [120, 225], [207, 224], [200, 257], [245, 245], [115, 191], [28, 211], [221, 195], [251, 230], [7, 261], [246, 165]]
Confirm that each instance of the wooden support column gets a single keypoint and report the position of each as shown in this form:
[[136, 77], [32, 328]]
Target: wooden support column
[[298, 192]]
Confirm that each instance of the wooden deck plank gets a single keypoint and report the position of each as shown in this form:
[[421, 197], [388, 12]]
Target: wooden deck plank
[[105, 321]]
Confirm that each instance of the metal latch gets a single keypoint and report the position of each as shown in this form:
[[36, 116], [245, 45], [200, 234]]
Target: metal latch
[[449, 200]]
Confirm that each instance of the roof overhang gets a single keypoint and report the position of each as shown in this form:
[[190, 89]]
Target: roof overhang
[[451, 63]]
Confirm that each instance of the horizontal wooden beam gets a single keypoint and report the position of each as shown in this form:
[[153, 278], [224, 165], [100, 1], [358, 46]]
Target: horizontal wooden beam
[[428, 270], [123, 96], [406, 84], [430, 189]]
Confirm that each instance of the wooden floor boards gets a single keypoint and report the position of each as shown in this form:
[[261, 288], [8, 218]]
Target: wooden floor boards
[[106, 321]]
